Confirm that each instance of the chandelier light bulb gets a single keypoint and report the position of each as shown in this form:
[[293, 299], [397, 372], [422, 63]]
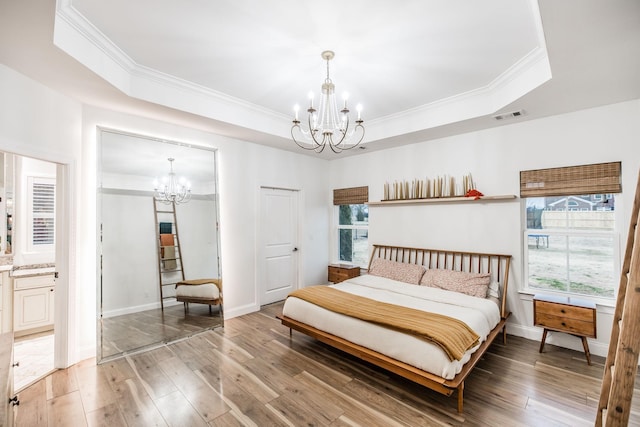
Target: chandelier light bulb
[[311, 100]]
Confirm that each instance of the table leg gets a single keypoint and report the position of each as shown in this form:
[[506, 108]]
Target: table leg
[[544, 338], [585, 344]]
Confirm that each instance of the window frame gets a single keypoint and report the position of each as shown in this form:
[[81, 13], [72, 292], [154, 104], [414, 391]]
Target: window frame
[[31, 217], [336, 235], [614, 234]]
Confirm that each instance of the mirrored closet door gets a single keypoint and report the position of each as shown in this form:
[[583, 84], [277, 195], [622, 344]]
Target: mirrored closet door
[[159, 275]]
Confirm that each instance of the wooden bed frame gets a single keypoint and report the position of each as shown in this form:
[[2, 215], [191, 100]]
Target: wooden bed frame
[[497, 265]]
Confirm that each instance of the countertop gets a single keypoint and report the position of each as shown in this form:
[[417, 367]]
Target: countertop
[[32, 270]]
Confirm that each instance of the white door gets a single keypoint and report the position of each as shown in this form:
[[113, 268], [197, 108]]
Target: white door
[[278, 274]]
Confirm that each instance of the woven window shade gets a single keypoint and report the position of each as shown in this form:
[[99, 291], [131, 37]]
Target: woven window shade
[[601, 178], [351, 196]]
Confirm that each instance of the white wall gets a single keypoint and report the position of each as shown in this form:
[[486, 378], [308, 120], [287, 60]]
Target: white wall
[[197, 226], [495, 157]]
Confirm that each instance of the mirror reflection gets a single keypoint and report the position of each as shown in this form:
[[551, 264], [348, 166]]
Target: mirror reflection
[[159, 269]]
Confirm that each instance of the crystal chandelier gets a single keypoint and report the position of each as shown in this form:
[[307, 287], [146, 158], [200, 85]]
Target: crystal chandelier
[[327, 125], [171, 189]]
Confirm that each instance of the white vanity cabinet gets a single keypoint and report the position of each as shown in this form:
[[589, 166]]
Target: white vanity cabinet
[[33, 298]]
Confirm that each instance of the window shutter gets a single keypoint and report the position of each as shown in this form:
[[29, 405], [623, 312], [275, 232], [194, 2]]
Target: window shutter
[[601, 178], [43, 213], [351, 196]]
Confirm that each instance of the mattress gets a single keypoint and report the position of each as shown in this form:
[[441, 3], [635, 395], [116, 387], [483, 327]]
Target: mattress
[[207, 291], [482, 315]]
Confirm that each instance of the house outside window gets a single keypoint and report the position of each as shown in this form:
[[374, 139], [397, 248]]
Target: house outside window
[[352, 225], [568, 250], [571, 243]]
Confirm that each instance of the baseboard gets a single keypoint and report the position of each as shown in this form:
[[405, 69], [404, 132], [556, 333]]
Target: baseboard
[[136, 309], [558, 338]]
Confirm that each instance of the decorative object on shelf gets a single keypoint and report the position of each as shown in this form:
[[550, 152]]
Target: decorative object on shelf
[[172, 189], [327, 125], [440, 186], [474, 193]]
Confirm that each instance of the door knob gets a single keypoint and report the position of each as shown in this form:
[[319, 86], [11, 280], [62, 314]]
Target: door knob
[[295, 249]]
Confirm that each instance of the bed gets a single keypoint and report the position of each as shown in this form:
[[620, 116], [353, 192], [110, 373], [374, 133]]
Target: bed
[[467, 289], [200, 291]]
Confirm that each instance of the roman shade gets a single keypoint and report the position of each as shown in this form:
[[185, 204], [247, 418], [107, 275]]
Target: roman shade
[[600, 178], [351, 196]]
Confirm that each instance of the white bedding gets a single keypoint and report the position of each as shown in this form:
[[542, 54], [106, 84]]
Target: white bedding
[[207, 290], [481, 315]]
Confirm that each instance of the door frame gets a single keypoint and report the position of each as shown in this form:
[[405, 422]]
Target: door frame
[[65, 346], [260, 238]]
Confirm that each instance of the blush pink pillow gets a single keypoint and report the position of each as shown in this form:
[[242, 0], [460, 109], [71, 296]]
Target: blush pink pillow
[[474, 284], [408, 273]]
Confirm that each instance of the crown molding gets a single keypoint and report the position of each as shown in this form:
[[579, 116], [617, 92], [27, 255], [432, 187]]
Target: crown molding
[[77, 36]]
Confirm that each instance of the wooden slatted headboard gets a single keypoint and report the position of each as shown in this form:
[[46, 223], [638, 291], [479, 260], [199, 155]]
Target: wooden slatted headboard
[[474, 262]]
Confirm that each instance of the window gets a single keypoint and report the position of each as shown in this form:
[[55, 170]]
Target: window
[[352, 225], [570, 239], [353, 234], [41, 233], [570, 251]]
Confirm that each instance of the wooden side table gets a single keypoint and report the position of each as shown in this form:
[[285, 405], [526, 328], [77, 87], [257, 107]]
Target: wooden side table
[[341, 272], [565, 314]]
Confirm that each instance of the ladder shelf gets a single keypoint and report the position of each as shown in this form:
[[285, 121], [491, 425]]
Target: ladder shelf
[[170, 266], [621, 366]]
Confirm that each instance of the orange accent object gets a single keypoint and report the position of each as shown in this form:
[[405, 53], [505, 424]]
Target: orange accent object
[[474, 193], [166, 240]]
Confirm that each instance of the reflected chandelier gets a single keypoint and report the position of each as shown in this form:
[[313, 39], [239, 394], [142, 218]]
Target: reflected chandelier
[[171, 189], [327, 125]]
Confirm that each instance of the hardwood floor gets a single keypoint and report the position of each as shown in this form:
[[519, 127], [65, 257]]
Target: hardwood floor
[[130, 332], [252, 374]]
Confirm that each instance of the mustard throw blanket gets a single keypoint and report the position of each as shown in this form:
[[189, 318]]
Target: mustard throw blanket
[[453, 336]]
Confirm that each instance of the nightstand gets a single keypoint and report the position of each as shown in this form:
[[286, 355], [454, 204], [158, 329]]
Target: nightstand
[[565, 314], [341, 272]]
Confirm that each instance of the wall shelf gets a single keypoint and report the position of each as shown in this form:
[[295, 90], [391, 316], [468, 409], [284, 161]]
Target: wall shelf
[[460, 199]]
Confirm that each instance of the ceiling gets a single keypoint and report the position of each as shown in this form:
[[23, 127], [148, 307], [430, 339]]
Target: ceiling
[[129, 155], [421, 69]]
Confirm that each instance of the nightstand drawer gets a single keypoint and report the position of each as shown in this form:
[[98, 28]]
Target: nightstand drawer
[[572, 326], [564, 311], [565, 316]]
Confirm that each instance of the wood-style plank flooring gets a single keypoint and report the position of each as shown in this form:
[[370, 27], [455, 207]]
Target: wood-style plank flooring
[[252, 373], [130, 332]]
